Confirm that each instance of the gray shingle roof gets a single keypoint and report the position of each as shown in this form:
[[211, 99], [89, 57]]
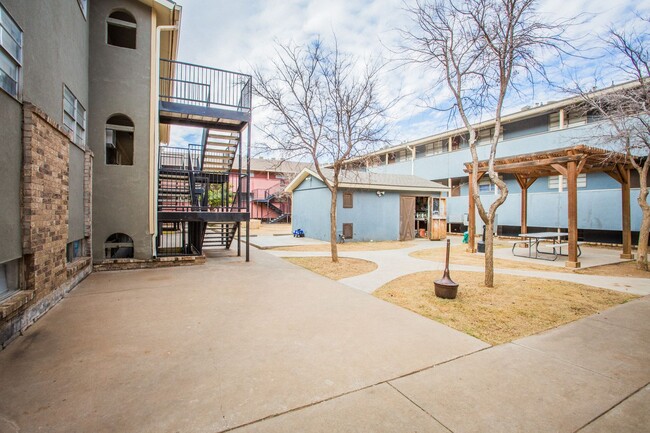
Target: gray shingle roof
[[375, 179], [275, 165]]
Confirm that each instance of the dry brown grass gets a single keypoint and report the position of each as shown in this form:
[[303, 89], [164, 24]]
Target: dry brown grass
[[517, 307], [351, 246], [625, 269], [346, 267], [459, 256]]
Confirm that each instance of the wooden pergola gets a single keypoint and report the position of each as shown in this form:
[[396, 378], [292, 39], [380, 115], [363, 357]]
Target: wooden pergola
[[568, 162]]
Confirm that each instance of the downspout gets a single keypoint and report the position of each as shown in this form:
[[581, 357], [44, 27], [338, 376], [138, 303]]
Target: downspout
[[159, 30], [412, 149]]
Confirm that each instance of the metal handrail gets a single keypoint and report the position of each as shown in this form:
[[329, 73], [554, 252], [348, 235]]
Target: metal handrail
[[192, 84]]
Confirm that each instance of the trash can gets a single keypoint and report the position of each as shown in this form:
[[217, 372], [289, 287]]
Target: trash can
[[480, 247], [465, 237]]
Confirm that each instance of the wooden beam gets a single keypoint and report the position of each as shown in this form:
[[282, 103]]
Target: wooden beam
[[521, 180], [572, 187], [524, 210], [471, 244], [581, 165], [531, 164], [560, 169], [524, 184], [626, 224], [615, 175]]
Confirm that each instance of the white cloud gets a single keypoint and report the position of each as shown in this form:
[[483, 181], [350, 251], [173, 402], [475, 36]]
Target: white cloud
[[238, 34]]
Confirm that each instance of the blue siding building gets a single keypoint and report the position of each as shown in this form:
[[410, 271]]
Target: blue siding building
[[550, 126], [368, 204]]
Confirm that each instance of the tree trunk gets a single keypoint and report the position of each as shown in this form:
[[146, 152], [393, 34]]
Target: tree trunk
[[489, 253], [333, 245], [642, 251]]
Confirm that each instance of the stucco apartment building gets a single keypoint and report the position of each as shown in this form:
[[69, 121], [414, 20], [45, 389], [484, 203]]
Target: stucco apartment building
[[544, 127], [88, 91], [268, 178]]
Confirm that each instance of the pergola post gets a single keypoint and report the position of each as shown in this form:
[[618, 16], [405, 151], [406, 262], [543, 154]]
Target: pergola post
[[524, 210], [471, 217], [625, 217], [572, 190], [524, 184]]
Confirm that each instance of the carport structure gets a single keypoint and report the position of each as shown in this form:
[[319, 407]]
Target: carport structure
[[568, 162]]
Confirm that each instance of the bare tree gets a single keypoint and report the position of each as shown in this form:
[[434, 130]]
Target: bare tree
[[627, 115], [481, 50], [324, 106]]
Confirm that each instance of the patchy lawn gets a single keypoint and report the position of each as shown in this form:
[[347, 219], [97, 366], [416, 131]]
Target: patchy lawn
[[625, 269], [517, 307], [352, 246], [346, 267], [459, 256]]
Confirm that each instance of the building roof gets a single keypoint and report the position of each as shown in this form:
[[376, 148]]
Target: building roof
[[275, 165], [374, 181], [525, 112]]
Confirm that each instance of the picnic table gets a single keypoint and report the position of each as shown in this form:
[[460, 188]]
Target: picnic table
[[532, 242]]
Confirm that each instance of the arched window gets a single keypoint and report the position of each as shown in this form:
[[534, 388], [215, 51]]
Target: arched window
[[121, 29], [119, 140], [118, 246]]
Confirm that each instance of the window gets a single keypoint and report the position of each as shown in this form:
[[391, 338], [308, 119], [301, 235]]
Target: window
[[119, 140], [347, 200], [440, 147], [74, 117], [118, 246], [554, 182], [74, 250], [9, 278], [486, 185], [11, 53], [83, 4], [460, 142], [121, 29]]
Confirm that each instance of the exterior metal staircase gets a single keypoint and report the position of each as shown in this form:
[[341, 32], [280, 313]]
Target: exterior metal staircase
[[202, 201], [273, 200], [220, 234]]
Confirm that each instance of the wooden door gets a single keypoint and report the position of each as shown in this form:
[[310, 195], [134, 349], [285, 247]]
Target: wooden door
[[406, 218]]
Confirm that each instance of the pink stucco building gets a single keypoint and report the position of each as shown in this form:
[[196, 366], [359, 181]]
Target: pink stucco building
[[268, 180]]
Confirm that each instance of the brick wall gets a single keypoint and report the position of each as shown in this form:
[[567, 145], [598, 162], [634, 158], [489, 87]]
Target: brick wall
[[47, 276], [45, 201]]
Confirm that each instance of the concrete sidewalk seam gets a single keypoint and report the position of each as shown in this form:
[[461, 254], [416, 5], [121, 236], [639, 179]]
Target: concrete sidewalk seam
[[564, 361], [612, 408], [387, 381], [420, 407], [295, 409]]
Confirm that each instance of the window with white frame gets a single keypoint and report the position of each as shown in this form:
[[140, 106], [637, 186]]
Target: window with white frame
[[11, 53], [486, 185], [74, 117], [554, 182]]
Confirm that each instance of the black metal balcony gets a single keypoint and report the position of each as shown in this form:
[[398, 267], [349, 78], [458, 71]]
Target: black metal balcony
[[202, 96]]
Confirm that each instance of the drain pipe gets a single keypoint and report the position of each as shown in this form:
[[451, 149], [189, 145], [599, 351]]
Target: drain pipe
[[156, 132]]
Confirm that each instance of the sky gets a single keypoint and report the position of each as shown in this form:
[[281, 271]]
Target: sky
[[240, 35]]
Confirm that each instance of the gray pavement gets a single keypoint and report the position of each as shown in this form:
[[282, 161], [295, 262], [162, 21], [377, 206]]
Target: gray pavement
[[392, 264], [209, 348], [268, 346]]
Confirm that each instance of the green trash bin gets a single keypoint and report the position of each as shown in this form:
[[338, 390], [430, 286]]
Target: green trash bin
[[466, 237]]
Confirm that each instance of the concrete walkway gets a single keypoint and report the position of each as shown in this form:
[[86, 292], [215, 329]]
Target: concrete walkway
[[268, 346], [392, 264]]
